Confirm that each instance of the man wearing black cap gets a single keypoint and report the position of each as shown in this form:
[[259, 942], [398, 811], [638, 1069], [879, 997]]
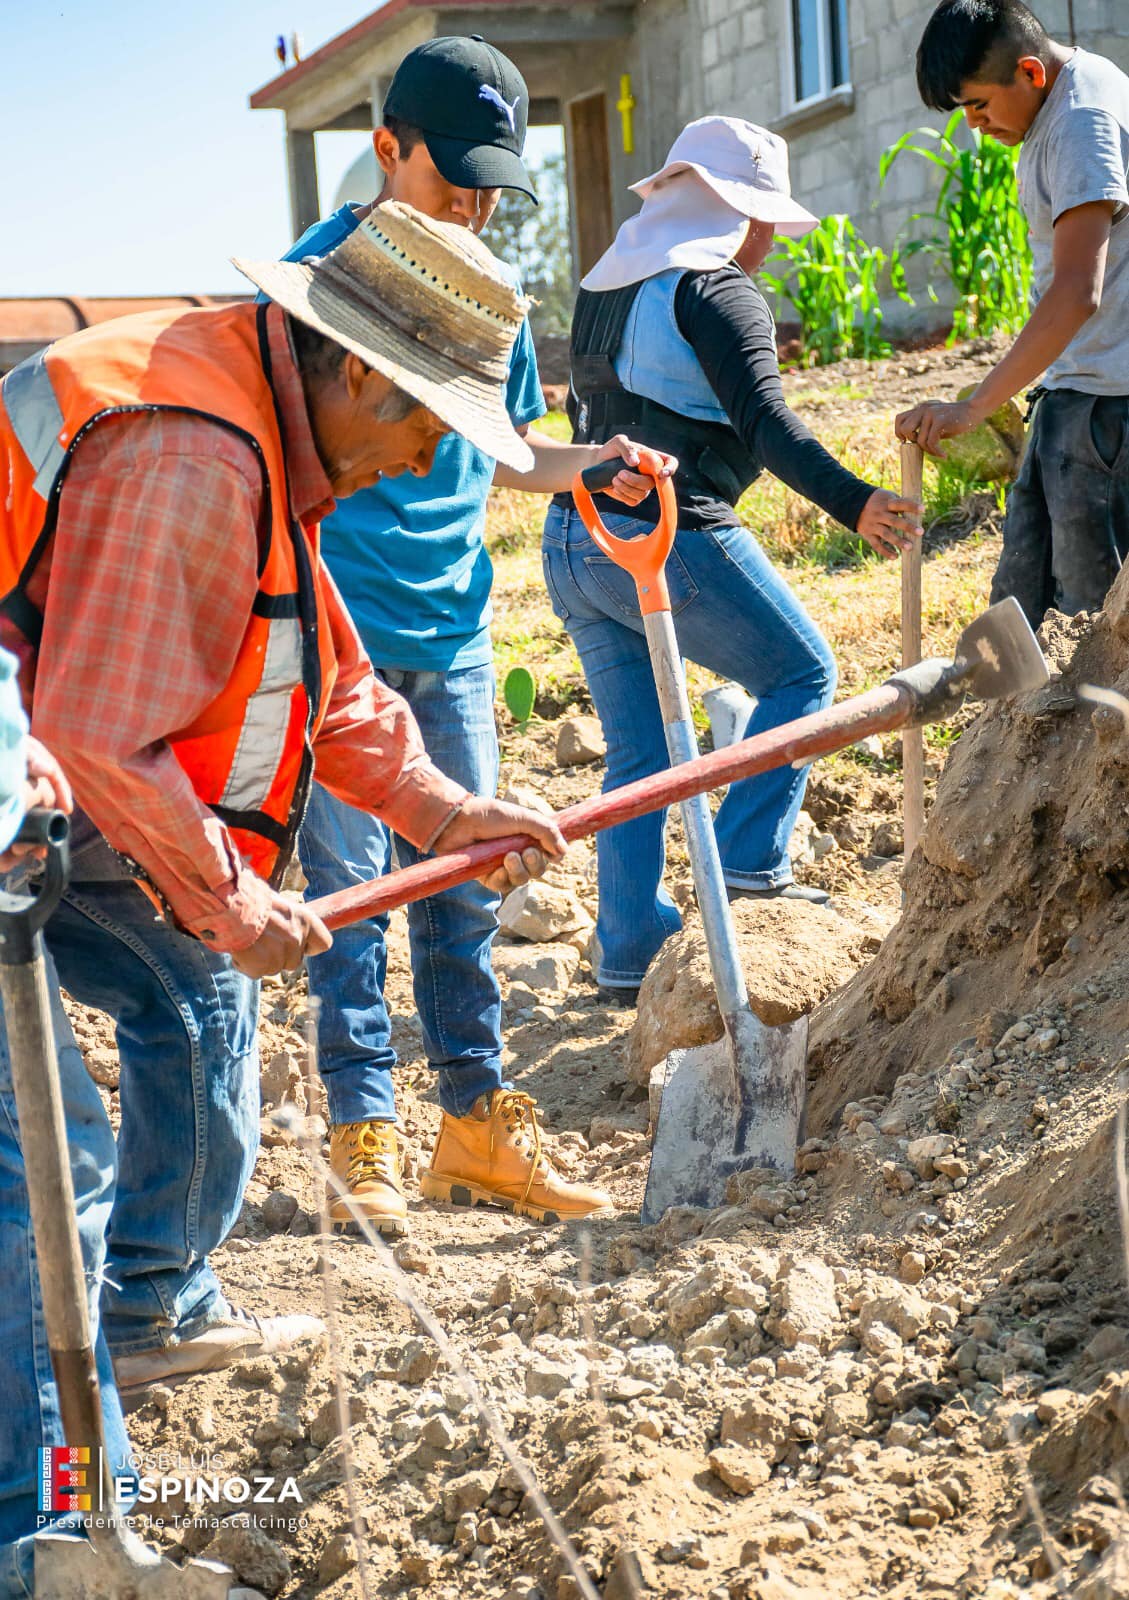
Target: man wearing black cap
[[409, 558]]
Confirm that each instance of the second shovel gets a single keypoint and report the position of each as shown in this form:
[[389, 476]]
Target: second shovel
[[738, 1102]]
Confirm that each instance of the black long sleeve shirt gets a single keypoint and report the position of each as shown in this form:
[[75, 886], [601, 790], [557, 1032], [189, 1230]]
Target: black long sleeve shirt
[[725, 319]]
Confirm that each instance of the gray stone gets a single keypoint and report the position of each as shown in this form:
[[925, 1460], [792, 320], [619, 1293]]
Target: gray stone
[[580, 739], [542, 912], [252, 1556], [805, 1294], [922, 1153], [278, 1210], [466, 1493], [897, 1307], [548, 970]]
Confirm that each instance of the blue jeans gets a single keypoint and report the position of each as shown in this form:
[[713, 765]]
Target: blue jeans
[[734, 614], [149, 1210], [456, 992], [1066, 529]]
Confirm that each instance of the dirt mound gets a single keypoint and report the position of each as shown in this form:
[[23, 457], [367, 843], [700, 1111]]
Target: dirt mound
[[1018, 884], [793, 954]]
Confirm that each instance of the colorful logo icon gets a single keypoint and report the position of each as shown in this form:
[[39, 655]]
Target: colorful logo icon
[[66, 1479]]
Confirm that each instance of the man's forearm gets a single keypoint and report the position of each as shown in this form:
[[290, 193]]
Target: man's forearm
[[555, 465], [1055, 321]]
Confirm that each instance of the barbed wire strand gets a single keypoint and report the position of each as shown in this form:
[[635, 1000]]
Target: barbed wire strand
[[1060, 1575], [289, 1118], [1120, 1168], [1100, 696], [329, 1297], [603, 1415]]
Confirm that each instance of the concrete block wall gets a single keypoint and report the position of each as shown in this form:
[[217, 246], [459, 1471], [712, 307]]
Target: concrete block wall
[[741, 69]]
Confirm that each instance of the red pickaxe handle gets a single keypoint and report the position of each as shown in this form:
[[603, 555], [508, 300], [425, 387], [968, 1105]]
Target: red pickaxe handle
[[878, 711]]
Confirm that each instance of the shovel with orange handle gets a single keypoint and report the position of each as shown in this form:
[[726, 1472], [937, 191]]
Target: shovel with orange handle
[[739, 1101]]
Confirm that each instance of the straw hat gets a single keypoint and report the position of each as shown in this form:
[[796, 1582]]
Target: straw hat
[[425, 304]]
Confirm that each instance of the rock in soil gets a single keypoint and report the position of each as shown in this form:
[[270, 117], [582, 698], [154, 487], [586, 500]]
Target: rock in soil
[[543, 913], [580, 739], [793, 955]]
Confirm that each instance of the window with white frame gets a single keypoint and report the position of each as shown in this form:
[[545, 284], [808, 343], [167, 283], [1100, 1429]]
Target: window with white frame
[[820, 60]]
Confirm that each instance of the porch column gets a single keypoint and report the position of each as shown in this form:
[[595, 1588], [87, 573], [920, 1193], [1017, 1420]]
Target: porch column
[[378, 89], [302, 169]]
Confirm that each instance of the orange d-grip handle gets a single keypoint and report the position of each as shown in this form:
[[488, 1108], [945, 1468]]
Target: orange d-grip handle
[[645, 558]]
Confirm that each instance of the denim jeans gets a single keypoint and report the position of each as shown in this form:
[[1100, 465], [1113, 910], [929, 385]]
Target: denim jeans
[[149, 1209], [456, 992], [734, 614], [1066, 530]]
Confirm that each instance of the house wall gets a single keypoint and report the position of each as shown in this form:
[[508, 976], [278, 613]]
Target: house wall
[[742, 68]]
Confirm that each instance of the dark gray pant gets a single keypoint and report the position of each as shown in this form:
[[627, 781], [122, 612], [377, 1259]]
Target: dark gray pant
[[1066, 531]]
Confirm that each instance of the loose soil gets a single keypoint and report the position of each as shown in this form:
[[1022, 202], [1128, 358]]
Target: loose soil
[[860, 1382]]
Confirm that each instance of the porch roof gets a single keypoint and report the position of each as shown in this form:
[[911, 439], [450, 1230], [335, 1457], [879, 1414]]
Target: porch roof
[[335, 87]]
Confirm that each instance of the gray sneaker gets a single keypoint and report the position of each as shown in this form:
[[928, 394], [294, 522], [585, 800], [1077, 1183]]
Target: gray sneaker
[[785, 891], [234, 1336]]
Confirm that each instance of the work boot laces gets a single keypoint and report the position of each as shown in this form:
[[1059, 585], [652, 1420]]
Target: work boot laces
[[376, 1154], [243, 1318], [517, 1114]]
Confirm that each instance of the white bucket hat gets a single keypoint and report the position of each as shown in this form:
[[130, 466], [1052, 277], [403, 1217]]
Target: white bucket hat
[[720, 172], [746, 165], [425, 304]]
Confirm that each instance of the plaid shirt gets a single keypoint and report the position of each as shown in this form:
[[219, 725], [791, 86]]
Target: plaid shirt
[[146, 591]]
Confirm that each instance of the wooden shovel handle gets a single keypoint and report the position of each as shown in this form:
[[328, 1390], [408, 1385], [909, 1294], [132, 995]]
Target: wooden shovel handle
[[913, 746]]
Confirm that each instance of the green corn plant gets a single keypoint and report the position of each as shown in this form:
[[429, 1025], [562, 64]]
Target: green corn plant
[[833, 278], [976, 228]]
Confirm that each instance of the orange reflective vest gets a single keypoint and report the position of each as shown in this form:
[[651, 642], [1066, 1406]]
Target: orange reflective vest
[[249, 754]]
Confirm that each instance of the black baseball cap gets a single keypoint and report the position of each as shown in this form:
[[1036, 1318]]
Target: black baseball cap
[[471, 105]]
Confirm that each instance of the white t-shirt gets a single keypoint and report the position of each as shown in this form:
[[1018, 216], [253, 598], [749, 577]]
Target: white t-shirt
[[1076, 151]]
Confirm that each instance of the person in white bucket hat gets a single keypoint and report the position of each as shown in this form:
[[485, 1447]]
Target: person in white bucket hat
[[673, 343], [742, 173]]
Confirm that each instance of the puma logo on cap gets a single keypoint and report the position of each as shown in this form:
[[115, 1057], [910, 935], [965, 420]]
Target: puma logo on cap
[[487, 91]]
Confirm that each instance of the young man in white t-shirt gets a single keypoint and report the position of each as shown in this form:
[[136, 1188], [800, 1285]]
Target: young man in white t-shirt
[[1066, 532]]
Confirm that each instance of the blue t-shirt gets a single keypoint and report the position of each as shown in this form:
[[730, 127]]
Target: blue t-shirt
[[13, 751], [408, 554]]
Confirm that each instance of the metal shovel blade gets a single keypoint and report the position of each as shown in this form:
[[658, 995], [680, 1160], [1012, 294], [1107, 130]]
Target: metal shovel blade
[[999, 653], [726, 1107], [121, 1567]]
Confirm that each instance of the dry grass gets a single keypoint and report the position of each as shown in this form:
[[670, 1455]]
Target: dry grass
[[852, 594]]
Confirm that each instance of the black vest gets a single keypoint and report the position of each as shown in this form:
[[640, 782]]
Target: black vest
[[713, 459]]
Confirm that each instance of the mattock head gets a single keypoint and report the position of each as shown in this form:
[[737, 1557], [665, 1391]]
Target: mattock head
[[999, 654]]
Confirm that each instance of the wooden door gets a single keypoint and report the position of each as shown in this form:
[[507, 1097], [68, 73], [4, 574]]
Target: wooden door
[[591, 177]]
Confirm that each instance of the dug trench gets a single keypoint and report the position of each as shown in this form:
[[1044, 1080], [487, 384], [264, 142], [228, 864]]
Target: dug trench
[[858, 1382]]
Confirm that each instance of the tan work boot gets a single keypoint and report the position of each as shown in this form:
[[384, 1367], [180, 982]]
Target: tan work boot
[[494, 1157], [232, 1335], [366, 1157]]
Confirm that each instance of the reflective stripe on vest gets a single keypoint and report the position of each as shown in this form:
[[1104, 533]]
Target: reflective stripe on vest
[[36, 419], [248, 753], [266, 720]]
